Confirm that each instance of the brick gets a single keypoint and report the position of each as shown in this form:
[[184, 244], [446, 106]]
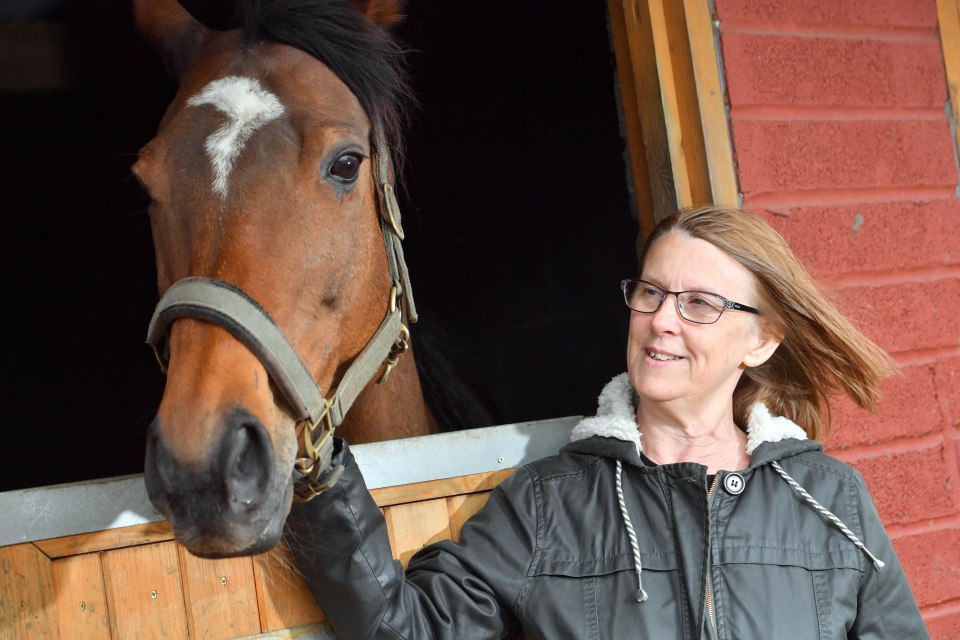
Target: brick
[[943, 626], [908, 409], [851, 72], [879, 236], [906, 317], [910, 486], [948, 381], [831, 13], [788, 155], [931, 561]]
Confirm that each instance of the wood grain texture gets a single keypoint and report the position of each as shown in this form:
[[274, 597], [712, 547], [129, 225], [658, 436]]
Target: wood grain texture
[[283, 598], [107, 539], [714, 121], [415, 525], [144, 593], [81, 597], [407, 493], [27, 604], [220, 596]]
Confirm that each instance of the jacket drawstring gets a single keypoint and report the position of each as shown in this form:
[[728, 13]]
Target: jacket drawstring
[[826, 514], [631, 534]]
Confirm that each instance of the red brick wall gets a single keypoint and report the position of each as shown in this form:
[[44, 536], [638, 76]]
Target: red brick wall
[[842, 141]]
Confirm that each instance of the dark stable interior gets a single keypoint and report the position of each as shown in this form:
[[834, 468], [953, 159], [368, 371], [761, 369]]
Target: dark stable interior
[[515, 203]]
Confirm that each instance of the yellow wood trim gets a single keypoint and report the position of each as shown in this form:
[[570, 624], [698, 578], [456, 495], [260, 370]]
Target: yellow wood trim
[[418, 491], [630, 113], [713, 112], [948, 16], [635, 53], [108, 539], [680, 108]]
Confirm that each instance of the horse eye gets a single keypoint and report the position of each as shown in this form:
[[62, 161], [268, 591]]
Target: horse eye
[[346, 167]]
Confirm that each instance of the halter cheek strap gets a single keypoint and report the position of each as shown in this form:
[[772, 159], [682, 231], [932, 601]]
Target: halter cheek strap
[[231, 308]]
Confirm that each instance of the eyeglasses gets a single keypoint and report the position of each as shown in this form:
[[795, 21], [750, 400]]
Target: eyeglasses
[[701, 307]]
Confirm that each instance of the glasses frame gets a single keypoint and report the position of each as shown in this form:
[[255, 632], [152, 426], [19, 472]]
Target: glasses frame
[[727, 303]]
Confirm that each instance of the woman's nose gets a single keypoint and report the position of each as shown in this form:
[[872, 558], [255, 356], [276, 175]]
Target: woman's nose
[[666, 319]]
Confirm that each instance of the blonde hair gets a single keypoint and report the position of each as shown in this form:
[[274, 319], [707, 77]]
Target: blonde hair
[[821, 351]]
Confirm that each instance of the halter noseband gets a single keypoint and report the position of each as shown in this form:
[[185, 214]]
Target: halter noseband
[[231, 308]]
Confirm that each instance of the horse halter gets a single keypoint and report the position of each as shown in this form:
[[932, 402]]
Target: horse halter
[[232, 309]]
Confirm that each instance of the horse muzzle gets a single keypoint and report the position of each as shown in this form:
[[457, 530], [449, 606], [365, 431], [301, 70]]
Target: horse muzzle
[[233, 502]]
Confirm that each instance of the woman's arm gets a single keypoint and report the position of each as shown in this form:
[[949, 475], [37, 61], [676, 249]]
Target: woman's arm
[[467, 590], [886, 609]]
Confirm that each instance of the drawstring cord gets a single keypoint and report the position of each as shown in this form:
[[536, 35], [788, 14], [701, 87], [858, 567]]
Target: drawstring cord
[[827, 514], [631, 534]]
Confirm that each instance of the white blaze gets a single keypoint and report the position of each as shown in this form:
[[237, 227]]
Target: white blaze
[[247, 106]]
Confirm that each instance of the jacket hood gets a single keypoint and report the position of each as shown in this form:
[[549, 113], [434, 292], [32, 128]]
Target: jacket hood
[[769, 437]]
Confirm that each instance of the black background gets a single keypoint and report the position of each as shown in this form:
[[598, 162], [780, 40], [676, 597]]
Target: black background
[[516, 210]]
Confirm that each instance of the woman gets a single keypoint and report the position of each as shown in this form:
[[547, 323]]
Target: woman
[[693, 505]]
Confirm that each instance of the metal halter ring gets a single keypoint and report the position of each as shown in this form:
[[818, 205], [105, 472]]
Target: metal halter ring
[[319, 450]]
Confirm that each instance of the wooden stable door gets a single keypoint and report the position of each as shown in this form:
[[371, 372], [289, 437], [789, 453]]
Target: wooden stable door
[[137, 583]]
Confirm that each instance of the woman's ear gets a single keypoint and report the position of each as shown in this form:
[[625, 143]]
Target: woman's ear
[[767, 342]]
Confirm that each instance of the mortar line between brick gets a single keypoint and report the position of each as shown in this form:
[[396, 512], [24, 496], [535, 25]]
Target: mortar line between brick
[[941, 609], [831, 32], [902, 276], [893, 447], [819, 112], [916, 357], [779, 202], [896, 531]]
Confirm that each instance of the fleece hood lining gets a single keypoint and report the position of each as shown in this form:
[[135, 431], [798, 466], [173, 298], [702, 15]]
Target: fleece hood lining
[[616, 418]]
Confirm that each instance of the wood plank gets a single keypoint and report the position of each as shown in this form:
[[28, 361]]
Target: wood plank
[[108, 539], [220, 596], [629, 109], [27, 605], [144, 593], [655, 144], [680, 108], [418, 491], [283, 598], [415, 525], [81, 599], [713, 111], [948, 17], [462, 508]]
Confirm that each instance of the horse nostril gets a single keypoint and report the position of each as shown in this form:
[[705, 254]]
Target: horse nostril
[[157, 470], [247, 461]]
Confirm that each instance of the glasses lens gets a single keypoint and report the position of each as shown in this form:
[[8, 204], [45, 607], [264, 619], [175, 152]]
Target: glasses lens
[[700, 307], [641, 296]]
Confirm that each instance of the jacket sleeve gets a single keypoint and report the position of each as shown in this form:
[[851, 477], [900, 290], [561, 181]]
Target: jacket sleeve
[[886, 608], [467, 590]]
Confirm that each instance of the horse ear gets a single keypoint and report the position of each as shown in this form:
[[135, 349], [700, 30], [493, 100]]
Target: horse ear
[[385, 13], [171, 29]]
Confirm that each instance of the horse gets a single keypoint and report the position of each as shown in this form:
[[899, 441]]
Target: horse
[[279, 262]]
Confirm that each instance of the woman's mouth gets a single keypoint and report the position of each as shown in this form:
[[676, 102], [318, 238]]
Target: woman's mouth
[[660, 356]]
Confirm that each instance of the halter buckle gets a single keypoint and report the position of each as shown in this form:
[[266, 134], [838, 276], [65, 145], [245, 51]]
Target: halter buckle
[[316, 451], [399, 348]]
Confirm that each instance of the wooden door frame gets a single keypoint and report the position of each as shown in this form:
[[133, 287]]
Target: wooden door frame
[[673, 106]]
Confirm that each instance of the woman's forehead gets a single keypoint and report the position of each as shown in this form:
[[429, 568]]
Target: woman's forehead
[[680, 262]]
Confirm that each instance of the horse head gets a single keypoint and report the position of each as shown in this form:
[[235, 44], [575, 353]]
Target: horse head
[[271, 207]]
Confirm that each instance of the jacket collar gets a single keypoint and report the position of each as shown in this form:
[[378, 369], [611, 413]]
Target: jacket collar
[[769, 437]]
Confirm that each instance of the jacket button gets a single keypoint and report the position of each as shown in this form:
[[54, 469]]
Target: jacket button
[[733, 484]]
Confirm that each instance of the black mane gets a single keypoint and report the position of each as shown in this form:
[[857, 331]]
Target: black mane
[[363, 55]]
